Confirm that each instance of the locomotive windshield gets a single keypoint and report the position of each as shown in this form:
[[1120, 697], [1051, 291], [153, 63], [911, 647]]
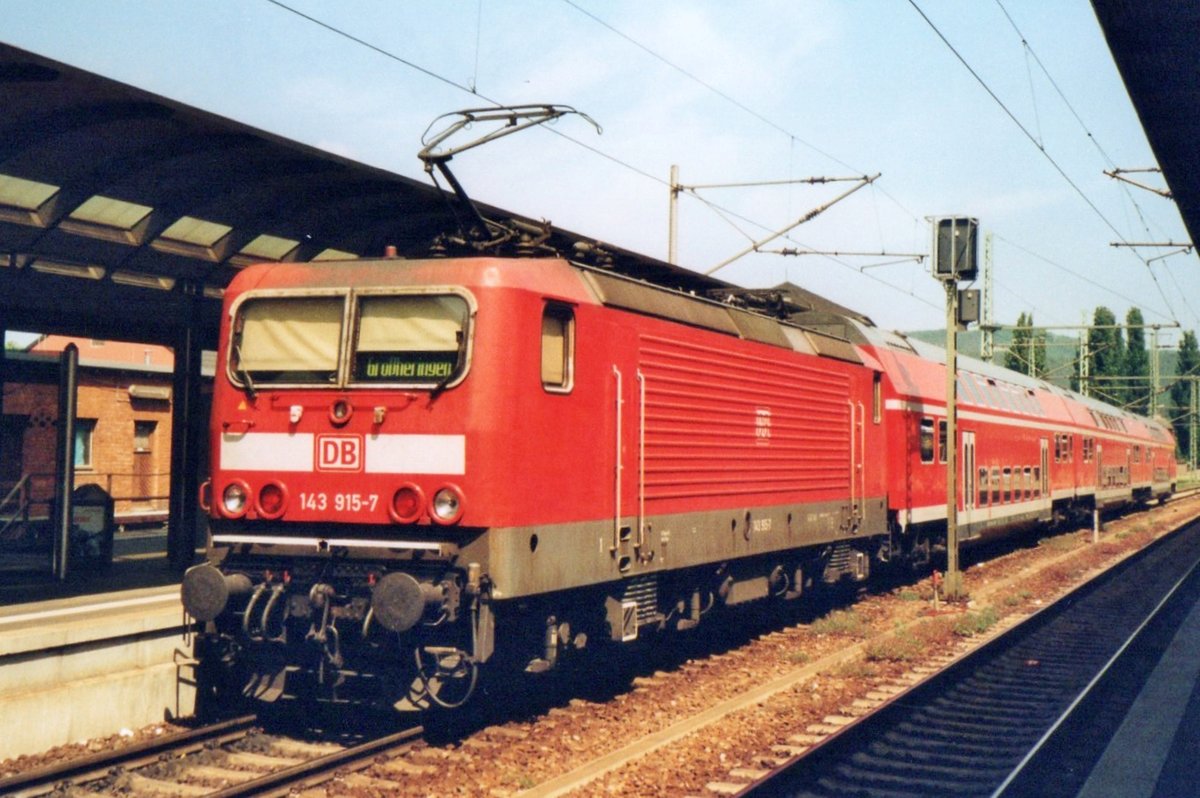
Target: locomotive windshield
[[288, 340], [409, 339]]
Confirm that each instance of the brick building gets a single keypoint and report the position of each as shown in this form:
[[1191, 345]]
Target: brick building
[[123, 423]]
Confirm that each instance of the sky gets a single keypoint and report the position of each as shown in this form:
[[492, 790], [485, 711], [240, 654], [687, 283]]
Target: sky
[[1004, 110]]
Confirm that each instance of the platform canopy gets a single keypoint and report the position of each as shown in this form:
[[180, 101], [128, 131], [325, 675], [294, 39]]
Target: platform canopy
[[1154, 46], [124, 214]]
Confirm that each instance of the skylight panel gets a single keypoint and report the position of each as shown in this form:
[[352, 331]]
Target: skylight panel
[[143, 280], [63, 269], [111, 212], [198, 232], [267, 247], [28, 195], [335, 254]]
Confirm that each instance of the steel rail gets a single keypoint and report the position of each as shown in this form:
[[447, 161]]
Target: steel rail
[[1101, 676], [855, 736], [315, 771], [46, 779]]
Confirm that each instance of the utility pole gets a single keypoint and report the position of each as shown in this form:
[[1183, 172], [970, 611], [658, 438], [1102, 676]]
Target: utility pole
[[953, 575], [1084, 357], [1195, 410], [673, 217], [954, 258], [987, 330], [1154, 372]]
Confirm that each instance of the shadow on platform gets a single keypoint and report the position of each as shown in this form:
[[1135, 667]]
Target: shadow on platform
[[139, 561]]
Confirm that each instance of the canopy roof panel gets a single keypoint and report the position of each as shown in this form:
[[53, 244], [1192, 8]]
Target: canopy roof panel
[[111, 196]]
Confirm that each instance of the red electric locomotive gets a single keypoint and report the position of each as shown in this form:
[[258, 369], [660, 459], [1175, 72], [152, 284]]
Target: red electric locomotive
[[422, 466]]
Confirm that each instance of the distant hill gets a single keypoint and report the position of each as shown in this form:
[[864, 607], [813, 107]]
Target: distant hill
[[1061, 351]]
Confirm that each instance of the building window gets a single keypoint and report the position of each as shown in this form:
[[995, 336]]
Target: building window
[[558, 348], [84, 430], [143, 435]]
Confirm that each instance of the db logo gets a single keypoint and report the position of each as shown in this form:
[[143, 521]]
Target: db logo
[[339, 453]]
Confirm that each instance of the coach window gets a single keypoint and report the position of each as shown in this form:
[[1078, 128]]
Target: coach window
[[1006, 485], [926, 441], [983, 487], [1028, 483], [558, 348], [1037, 482], [941, 441]]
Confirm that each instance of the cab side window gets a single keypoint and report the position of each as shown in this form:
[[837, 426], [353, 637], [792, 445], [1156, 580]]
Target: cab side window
[[558, 348]]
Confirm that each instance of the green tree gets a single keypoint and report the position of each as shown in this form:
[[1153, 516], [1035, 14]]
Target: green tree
[[1136, 394], [1039, 351], [1027, 350], [1186, 365], [1017, 356], [1106, 355]]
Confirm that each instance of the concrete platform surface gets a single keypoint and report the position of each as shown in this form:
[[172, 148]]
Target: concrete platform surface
[[92, 655], [1155, 752]]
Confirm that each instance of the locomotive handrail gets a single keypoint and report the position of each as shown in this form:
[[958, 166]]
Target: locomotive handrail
[[616, 546], [641, 521]]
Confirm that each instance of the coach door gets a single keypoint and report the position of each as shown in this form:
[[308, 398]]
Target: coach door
[[968, 479], [1044, 477]]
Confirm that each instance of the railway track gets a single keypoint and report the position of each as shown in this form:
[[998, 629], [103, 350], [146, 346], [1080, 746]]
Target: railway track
[[420, 768], [230, 759], [1003, 720]]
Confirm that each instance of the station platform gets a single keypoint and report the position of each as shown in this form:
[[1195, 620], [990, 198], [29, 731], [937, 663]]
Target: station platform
[[1155, 751], [139, 561], [103, 650]]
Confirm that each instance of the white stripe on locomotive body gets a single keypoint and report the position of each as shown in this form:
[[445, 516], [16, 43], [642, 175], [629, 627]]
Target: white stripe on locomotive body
[[939, 411], [385, 454], [323, 544], [267, 451], [983, 513], [416, 454]]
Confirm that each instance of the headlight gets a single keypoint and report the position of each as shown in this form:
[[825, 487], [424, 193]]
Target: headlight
[[407, 503], [447, 505], [233, 500], [272, 500]]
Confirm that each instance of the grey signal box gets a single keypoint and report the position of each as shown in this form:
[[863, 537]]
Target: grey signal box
[[968, 306], [955, 248]]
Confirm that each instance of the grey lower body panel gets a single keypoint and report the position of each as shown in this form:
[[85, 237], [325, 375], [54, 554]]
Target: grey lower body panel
[[527, 561]]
